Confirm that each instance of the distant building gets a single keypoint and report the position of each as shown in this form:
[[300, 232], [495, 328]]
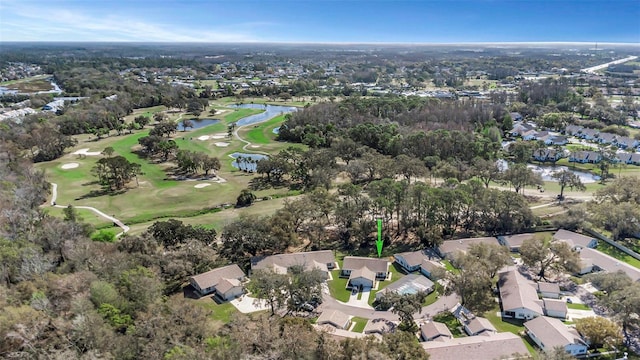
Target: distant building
[[449, 247]]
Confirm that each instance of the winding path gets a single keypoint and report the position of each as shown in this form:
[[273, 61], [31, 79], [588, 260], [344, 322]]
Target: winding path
[[246, 142], [54, 196]]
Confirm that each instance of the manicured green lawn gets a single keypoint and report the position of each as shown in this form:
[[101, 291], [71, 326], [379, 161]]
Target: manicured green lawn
[[452, 323], [360, 324], [578, 306], [262, 133], [220, 312], [508, 325], [433, 297], [610, 250], [338, 287], [449, 267]]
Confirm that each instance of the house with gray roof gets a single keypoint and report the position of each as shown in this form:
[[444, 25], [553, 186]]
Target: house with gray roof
[[575, 240], [323, 260], [432, 330], [518, 297], [364, 271], [335, 318], [479, 325], [584, 157], [549, 290], [514, 242], [410, 261], [379, 326], [449, 247], [606, 138], [555, 308], [602, 262], [504, 345], [225, 281], [427, 268], [549, 333]]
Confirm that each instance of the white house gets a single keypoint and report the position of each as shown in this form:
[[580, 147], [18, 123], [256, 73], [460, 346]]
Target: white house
[[410, 261], [427, 268], [363, 271], [549, 290], [518, 297], [555, 308], [550, 333], [479, 325]]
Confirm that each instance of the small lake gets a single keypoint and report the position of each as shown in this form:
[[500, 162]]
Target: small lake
[[197, 124], [270, 111], [276, 130], [546, 171], [245, 161]]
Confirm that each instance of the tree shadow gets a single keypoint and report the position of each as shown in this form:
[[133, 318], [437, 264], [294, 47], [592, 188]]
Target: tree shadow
[[101, 192]]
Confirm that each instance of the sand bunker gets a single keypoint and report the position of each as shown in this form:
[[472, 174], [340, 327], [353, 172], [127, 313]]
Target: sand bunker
[[222, 144], [86, 152], [219, 136], [203, 138], [200, 186], [70, 166], [255, 146]]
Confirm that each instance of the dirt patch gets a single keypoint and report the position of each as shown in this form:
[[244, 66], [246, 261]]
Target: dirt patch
[[68, 166]]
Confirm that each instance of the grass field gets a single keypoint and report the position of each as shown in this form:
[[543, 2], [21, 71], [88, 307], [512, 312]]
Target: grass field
[[162, 197], [338, 287], [29, 85], [575, 306], [262, 133]]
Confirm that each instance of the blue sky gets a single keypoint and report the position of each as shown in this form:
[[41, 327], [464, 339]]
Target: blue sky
[[417, 21]]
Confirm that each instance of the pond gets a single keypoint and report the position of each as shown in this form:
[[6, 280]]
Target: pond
[[245, 161], [276, 130], [270, 111], [198, 123], [547, 170]]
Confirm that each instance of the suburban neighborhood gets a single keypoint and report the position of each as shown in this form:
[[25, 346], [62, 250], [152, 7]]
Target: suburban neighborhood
[[541, 307]]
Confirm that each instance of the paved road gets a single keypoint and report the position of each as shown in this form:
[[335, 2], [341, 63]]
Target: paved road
[[443, 303], [54, 196], [593, 69]]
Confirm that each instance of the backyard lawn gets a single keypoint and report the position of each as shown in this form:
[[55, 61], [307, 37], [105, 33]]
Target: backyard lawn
[[219, 312], [360, 323], [508, 325], [452, 323], [338, 287], [576, 306]]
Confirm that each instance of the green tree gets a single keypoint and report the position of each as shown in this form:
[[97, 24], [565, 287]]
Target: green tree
[[246, 198], [115, 172], [568, 178], [405, 306], [519, 176], [599, 331], [269, 286], [539, 252]]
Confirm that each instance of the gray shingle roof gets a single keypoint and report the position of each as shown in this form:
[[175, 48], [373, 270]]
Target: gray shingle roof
[[572, 238], [516, 292], [308, 260], [357, 262], [490, 347], [431, 329], [213, 277], [552, 332]]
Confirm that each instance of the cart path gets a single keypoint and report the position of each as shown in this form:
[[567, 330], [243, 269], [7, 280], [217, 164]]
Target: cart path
[[54, 196]]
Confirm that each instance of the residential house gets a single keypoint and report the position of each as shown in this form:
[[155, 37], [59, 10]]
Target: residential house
[[516, 116], [427, 268], [520, 128], [606, 138], [623, 157], [225, 282], [531, 135], [589, 134], [410, 261], [556, 140], [335, 318], [518, 297], [449, 247], [575, 240], [379, 326], [504, 345], [479, 325], [409, 284], [625, 142], [600, 261], [547, 155], [633, 159], [514, 242], [363, 271], [549, 290], [583, 157], [550, 333], [431, 330], [586, 266], [323, 260], [555, 308], [573, 130]]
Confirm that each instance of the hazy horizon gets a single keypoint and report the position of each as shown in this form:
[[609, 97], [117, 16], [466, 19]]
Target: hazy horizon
[[322, 21]]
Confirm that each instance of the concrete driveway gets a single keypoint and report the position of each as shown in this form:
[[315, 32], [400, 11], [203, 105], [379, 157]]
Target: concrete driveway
[[364, 299]]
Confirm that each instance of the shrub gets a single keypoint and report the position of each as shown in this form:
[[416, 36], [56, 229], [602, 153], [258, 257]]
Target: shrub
[[104, 235]]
